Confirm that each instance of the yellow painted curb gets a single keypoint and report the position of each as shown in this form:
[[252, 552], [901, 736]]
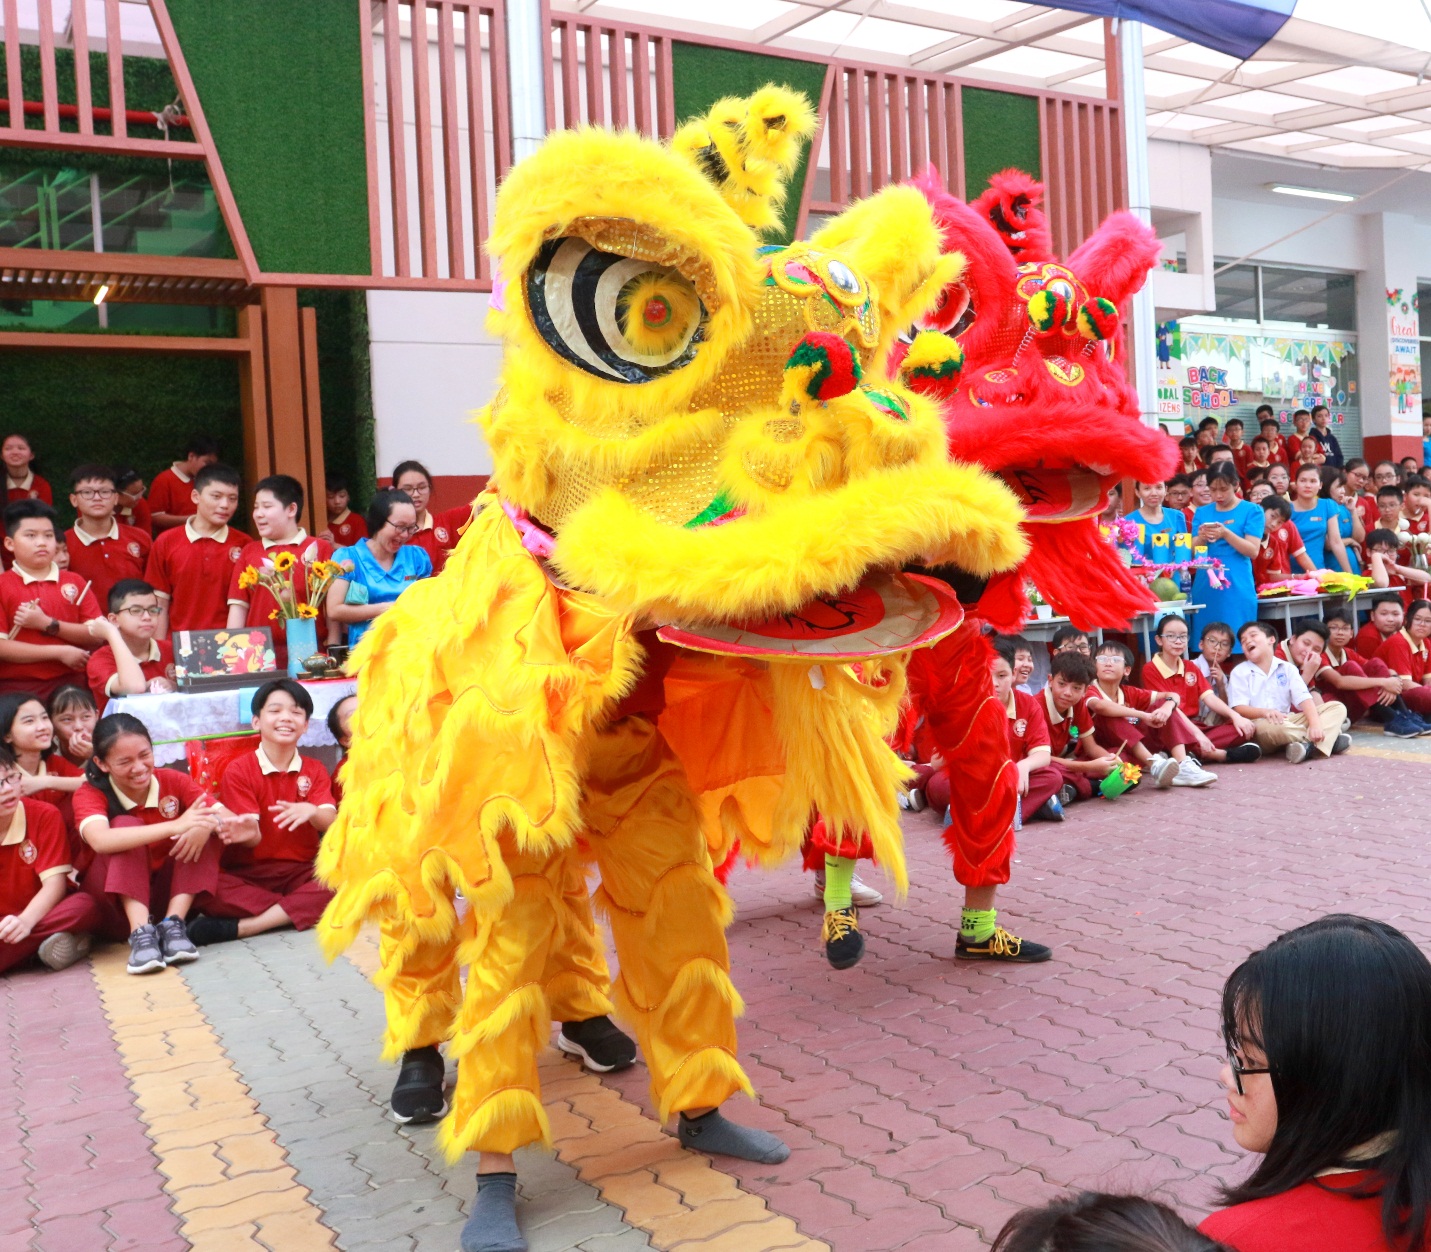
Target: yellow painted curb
[[230, 1180], [1392, 754], [679, 1198]]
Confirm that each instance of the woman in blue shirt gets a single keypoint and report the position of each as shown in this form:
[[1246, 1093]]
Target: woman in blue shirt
[[1349, 523], [1318, 521], [381, 566], [1231, 530], [1152, 519]]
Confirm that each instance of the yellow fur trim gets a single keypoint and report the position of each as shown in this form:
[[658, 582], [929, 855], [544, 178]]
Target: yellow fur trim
[[507, 1120], [930, 351], [705, 1080], [656, 313]]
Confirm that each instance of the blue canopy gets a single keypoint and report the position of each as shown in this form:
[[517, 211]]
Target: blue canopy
[[1236, 27]]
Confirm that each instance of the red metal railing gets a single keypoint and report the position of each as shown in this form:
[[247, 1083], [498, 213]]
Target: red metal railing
[[1082, 166], [609, 74]]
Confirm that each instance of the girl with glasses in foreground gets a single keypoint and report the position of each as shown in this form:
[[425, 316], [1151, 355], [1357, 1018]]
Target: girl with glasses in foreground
[[1328, 1033]]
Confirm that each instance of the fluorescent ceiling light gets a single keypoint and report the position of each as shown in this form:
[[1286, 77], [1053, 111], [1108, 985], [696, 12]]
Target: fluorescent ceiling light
[[1311, 193]]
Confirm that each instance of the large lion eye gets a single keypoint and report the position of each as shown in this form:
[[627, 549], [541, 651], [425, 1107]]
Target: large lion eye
[[614, 316]]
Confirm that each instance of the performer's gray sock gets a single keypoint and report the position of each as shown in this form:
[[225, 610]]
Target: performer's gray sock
[[493, 1224], [714, 1133]]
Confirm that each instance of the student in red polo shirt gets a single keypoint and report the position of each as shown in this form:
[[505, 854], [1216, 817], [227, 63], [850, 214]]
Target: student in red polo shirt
[[131, 660], [132, 508], [39, 915], [171, 494], [73, 713], [1076, 754], [1271, 430], [102, 549], [1406, 654], [27, 733], [21, 481], [1135, 723], [277, 502], [345, 527], [1386, 619], [1360, 685], [437, 533], [1282, 545], [1029, 748], [282, 803], [1169, 671], [43, 610], [1292, 440], [190, 566], [153, 832]]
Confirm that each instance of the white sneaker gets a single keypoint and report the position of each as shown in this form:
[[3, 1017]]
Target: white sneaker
[[863, 895], [1191, 774], [1163, 771], [1296, 753]]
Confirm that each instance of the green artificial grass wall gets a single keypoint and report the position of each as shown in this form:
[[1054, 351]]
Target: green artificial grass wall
[[700, 76], [1001, 131], [281, 87], [346, 389]]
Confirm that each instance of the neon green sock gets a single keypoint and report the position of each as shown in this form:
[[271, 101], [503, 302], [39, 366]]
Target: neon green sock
[[976, 925], [839, 873]]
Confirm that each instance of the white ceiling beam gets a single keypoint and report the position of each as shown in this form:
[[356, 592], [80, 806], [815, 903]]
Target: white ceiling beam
[[783, 25], [1030, 32]]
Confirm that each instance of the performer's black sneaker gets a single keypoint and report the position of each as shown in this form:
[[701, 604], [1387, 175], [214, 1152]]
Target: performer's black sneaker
[[417, 1095], [600, 1045], [1001, 946], [844, 945]]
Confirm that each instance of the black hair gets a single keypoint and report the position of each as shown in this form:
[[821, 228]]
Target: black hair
[[1196, 474], [1215, 628], [1234, 421], [1178, 480], [407, 467], [335, 726], [69, 697], [1415, 607], [1261, 409], [25, 510], [1065, 633], [1109, 646], [335, 482], [1416, 480], [1300, 412], [1098, 1222], [220, 473], [1207, 422], [107, 732], [7, 759], [1342, 1009], [123, 477], [284, 488], [201, 445], [1222, 472], [1219, 447], [1338, 615], [380, 508], [1269, 420], [1165, 619], [1331, 477], [1280, 504], [1262, 439], [126, 587], [1260, 625], [1306, 625], [300, 697], [1073, 667], [1321, 408], [1381, 537], [1391, 489], [93, 472], [11, 702], [1355, 462], [1187, 441], [1308, 469]]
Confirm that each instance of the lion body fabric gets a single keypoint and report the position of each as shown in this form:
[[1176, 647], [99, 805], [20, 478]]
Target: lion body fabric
[[691, 431]]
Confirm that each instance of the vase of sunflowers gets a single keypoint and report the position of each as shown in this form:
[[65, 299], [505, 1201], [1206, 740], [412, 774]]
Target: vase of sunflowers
[[298, 586]]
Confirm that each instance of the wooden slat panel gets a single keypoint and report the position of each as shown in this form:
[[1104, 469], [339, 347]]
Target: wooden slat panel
[[313, 423], [620, 111], [570, 82], [114, 57], [49, 91], [422, 138], [595, 96], [859, 136], [15, 89], [451, 141], [370, 138], [79, 33], [898, 113], [665, 90], [501, 108], [477, 155], [641, 111], [838, 127], [397, 143]]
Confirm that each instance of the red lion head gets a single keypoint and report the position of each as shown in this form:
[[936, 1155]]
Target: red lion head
[[1042, 398]]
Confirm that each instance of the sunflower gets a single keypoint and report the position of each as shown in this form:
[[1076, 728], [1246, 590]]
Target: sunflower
[[273, 615], [307, 611], [284, 561], [248, 578]]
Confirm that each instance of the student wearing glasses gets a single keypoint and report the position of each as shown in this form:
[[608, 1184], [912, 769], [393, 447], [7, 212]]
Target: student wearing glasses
[[131, 660], [102, 548], [1328, 1034], [379, 567]]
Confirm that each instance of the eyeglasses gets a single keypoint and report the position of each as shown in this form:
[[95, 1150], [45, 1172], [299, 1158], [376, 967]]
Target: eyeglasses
[[1171, 638], [95, 493], [404, 530], [7, 781], [143, 610], [1234, 1063]]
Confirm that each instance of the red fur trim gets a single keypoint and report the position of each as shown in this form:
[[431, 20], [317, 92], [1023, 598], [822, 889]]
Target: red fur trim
[[1081, 576], [1114, 260], [722, 871], [1003, 604], [1006, 188]]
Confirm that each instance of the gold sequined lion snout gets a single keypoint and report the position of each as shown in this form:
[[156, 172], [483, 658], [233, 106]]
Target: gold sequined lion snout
[[702, 423]]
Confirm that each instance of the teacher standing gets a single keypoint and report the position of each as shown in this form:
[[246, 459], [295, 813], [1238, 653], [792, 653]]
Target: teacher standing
[[1231, 530], [383, 565]]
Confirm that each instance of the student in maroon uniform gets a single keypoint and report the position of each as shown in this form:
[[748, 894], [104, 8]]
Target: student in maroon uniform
[[39, 915], [43, 610], [132, 508], [1282, 546], [1328, 1033], [73, 713], [171, 494], [1228, 738], [27, 733], [102, 549], [1076, 754], [437, 533], [190, 566], [21, 481], [1406, 654], [1142, 726], [131, 661], [154, 834], [281, 803], [345, 527], [1383, 552], [1360, 684], [1385, 620], [1029, 747]]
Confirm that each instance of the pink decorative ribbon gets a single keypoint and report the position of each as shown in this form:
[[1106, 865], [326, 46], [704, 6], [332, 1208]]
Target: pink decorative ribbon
[[538, 542]]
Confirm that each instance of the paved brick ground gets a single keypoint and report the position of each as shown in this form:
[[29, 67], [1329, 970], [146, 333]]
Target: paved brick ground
[[926, 1100]]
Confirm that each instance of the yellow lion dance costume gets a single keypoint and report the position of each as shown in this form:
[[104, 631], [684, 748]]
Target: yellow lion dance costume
[[671, 446]]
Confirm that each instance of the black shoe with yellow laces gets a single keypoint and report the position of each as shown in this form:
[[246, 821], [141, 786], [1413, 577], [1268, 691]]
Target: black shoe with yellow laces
[[844, 945], [1001, 946]]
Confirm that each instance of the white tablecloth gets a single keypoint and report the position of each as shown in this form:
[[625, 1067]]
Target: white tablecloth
[[183, 715]]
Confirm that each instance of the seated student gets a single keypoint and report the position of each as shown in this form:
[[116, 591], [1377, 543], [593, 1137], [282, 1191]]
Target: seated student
[[1282, 546], [171, 494], [1385, 619], [1260, 461], [1071, 639], [277, 502], [1029, 748], [1327, 1080], [21, 481], [1025, 665], [1135, 723], [1094, 1222], [1227, 739], [1310, 452], [345, 527], [132, 508], [1076, 755], [73, 713], [1260, 491], [1266, 689], [1214, 657], [131, 661], [39, 915], [281, 804], [1406, 655], [43, 610], [340, 726], [190, 565], [154, 835], [1179, 495], [1152, 519], [1188, 458], [379, 568], [1383, 551], [28, 735], [102, 550], [437, 533], [1281, 480], [1388, 511], [1359, 685]]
